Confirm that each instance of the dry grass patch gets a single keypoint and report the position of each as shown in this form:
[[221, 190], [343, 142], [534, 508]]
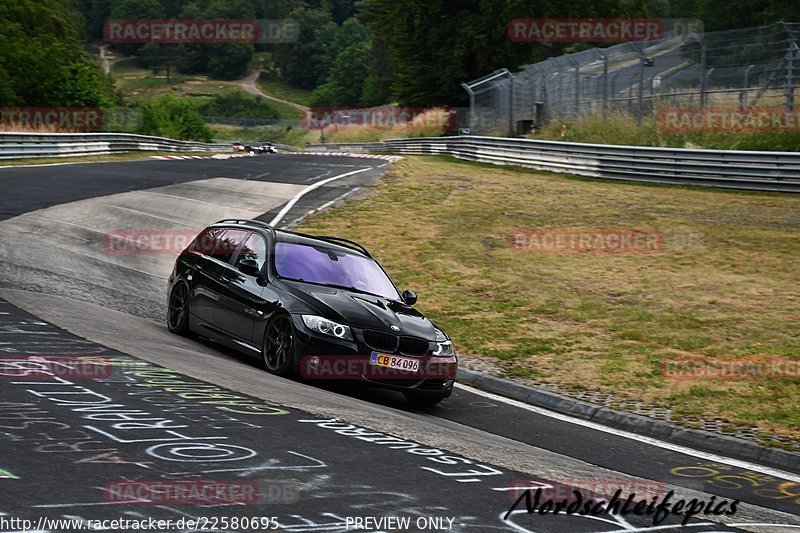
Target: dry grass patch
[[724, 284]]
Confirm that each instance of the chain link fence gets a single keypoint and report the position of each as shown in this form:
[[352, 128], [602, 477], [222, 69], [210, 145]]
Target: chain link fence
[[744, 69]]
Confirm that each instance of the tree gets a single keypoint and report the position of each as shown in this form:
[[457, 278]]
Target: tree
[[42, 62], [229, 61], [346, 82], [174, 117], [431, 46], [298, 60], [239, 104]]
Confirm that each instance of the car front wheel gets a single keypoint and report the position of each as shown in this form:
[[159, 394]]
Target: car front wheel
[[278, 349]]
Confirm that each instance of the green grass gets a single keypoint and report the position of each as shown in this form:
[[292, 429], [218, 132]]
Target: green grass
[[620, 128], [286, 112], [136, 83], [596, 321], [281, 89]]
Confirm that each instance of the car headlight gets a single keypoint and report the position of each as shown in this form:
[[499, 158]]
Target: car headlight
[[444, 346], [327, 327]]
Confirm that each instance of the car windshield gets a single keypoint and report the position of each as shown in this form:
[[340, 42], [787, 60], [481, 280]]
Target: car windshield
[[328, 266]]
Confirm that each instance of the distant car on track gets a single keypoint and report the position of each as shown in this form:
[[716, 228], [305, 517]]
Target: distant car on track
[[265, 148], [321, 306]]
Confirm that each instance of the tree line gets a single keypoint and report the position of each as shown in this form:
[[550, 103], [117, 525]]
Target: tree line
[[349, 52]]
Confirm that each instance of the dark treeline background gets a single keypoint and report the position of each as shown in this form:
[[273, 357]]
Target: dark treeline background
[[350, 52]]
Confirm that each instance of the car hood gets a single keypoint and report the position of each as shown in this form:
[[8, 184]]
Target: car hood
[[360, 310]]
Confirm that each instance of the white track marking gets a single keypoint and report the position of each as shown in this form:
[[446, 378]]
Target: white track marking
[[307, 190], [641, 438], [183, 198], [152, 216], [326, 205]]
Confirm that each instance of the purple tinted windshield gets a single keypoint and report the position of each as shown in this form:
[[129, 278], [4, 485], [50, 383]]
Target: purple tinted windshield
[[324, 265]]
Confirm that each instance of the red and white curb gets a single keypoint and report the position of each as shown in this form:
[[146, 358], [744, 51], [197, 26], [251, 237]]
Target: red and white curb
[[215, 156], [391, 158]]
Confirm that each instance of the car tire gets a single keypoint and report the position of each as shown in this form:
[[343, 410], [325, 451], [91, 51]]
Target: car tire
[[277, 351], [424, 400], [178, 309]]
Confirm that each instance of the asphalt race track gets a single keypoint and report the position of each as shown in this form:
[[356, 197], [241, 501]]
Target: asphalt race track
[[133, 404]]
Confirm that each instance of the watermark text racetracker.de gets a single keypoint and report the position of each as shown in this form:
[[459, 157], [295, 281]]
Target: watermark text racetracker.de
[[201, 492], [601, 30], [751, 367], [729, 120], [59, 119], [375, 366], [73, 367], [603, 241], [380, 117], [195, 523], [147, 241], [188, 31]]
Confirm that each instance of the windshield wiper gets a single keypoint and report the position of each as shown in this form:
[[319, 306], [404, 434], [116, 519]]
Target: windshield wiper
[[345, 287]]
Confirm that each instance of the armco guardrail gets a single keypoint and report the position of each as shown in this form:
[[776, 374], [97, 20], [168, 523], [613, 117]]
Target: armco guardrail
[[28, 145], [765, 171]]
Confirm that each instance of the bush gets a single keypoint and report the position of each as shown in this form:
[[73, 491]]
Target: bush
[[230, 61], [174, 117], [323, 96], [238, 104]]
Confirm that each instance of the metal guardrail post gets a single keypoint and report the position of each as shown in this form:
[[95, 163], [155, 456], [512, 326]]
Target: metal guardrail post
[[640, 102], [743, 94], [791, 55], [605, 85], [703, 80], [471, 105], [510, 104]]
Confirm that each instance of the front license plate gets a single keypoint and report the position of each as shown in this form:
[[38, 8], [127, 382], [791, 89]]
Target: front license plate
[[409, 364]]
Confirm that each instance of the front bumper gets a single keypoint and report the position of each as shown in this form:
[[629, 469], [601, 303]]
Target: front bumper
[[321, 356]]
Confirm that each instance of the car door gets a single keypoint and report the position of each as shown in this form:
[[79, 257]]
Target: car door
[[203, 296], [240, 300]]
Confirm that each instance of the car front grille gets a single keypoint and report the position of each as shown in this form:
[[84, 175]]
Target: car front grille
[[413, 346], [380, 341]]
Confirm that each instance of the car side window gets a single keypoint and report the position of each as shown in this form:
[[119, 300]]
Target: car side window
[[227, 244], [205, 242], [255, 247]]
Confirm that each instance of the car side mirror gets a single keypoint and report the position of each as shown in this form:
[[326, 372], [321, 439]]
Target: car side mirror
[[249, 267], [409, 297]]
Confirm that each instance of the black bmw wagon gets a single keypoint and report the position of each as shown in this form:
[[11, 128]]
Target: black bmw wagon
[[321, 307]]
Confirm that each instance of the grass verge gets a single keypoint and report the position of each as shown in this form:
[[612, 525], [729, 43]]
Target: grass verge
[[621, 128], [722, 285]]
